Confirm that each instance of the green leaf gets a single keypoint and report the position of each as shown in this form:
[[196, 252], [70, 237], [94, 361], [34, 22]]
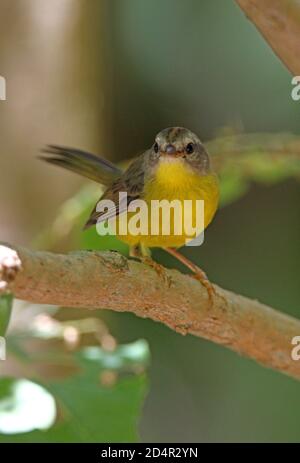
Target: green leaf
[[91, 409], [6, 302]]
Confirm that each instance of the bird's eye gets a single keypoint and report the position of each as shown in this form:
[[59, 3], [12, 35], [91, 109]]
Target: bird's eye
[[190, 147], [155, 147]]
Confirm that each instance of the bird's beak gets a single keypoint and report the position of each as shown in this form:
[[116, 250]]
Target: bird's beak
[[170, 150]]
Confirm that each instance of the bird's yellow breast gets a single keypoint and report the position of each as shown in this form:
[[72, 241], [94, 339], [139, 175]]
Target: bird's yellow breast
[[174, 180]]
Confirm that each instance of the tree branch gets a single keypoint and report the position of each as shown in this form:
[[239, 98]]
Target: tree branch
[[107, 280], [279, 23]]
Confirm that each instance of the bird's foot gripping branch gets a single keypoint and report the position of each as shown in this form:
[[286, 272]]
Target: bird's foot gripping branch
[[98, 280]]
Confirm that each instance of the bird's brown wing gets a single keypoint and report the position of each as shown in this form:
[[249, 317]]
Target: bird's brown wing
[[130, 182]]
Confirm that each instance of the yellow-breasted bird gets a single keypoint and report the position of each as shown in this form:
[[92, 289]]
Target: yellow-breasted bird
[[176, 167]]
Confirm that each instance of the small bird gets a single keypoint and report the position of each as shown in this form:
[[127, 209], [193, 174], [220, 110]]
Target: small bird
[[176, 167]]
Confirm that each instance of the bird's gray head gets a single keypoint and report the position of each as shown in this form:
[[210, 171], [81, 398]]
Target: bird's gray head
[[180, 143]]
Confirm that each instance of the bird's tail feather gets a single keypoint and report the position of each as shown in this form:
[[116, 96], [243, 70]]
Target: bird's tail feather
[[86, 164]]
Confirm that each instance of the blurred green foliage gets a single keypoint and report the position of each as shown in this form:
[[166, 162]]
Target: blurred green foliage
[[107, 80], [6, 302], [95, 404]]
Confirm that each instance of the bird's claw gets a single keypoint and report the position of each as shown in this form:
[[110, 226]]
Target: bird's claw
[[159, 269]]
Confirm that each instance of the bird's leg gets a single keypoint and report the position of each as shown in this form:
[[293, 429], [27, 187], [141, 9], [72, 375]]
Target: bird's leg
[[136, 252], [199, 274], [143, 254]]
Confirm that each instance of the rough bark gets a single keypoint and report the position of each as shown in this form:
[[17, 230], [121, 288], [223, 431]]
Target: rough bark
[[107, 280]]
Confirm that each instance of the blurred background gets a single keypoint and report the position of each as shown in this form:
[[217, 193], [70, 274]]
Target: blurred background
[[105, 76]]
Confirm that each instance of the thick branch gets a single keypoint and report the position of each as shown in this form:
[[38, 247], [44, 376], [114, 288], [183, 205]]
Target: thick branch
[[107, 280], [279, 23]]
